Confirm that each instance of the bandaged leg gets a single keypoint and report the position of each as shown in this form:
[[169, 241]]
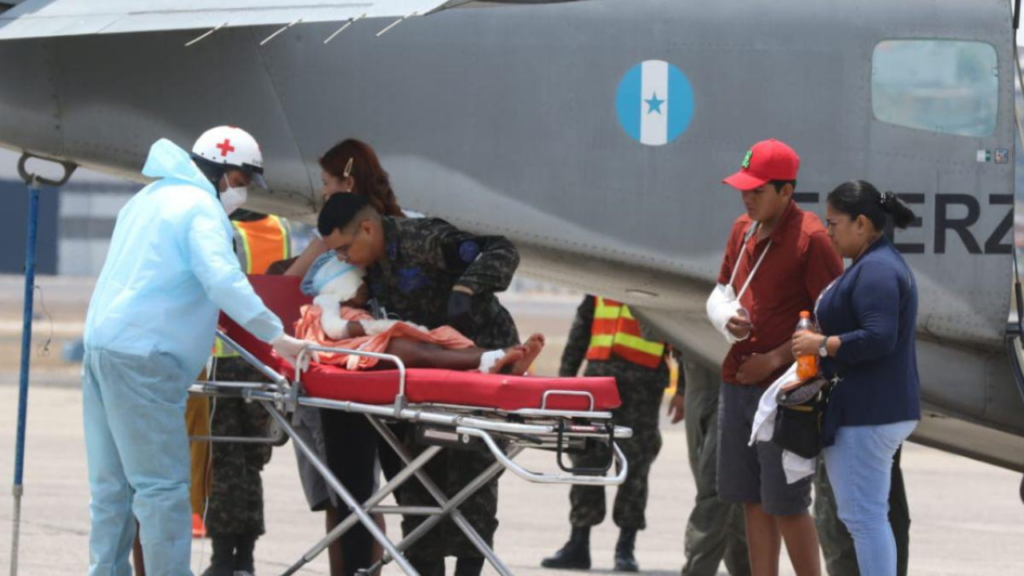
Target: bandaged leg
[[488, 360]]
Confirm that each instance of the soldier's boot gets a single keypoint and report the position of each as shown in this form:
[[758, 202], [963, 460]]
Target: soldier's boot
[[625, 561], [222, 563], [245, 564], [575, 555], [469, 566]]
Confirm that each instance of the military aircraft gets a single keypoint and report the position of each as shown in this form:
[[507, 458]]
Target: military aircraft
[[594, 133]]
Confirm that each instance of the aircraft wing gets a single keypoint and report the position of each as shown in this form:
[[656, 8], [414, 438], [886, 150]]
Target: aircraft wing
[[49, 18]]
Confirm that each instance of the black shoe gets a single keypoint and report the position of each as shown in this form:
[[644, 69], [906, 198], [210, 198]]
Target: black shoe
[[575, 555], [625, 561], [222, 563]]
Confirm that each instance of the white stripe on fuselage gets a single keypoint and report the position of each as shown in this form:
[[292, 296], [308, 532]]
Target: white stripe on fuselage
[[654, 83]]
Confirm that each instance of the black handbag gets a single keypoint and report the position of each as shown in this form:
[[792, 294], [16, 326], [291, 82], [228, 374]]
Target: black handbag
[[799, 417]]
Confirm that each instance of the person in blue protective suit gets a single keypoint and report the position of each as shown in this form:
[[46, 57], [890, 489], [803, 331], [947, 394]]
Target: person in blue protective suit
[[149, 330]]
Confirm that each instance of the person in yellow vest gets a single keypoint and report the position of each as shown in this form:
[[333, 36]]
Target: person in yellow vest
[[606, 334], [234, 516]]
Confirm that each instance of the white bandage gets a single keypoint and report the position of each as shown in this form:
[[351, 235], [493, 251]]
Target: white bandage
[[489, 359], [374, 327], [335, 327]]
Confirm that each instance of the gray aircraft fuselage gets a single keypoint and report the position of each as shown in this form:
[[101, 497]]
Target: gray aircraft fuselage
[[504, 119]]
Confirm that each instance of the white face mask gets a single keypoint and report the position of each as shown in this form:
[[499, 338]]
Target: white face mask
[[233, 197]]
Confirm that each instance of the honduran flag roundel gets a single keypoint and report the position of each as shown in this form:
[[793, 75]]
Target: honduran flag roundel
[[654, 102]]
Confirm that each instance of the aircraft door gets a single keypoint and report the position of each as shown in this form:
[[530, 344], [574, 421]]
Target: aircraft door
[[941, 136]]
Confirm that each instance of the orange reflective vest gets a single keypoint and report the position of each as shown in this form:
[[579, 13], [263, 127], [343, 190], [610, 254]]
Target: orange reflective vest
[[262, 242], [616, 332], [259, 244]]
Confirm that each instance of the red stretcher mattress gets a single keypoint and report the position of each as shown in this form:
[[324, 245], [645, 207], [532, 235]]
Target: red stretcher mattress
[[282, 295]]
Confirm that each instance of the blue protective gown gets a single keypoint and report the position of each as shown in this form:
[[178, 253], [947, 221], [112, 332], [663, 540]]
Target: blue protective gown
[[149, 330]]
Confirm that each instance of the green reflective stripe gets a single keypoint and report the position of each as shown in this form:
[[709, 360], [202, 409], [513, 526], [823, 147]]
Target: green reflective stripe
[[245, 247], [286, 230], [637, 343], [602, 341], [222, 351], [606, 312]]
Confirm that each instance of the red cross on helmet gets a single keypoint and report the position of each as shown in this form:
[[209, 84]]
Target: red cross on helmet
[[233, 148]]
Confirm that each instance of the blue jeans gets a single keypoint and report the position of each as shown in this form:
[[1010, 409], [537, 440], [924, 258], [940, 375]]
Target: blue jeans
[[859, 465]]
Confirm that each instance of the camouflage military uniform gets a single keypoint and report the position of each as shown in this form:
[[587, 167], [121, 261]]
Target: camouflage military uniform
[[424, 259], [836, 542], [641, 390], [236, 495], [715, 530]]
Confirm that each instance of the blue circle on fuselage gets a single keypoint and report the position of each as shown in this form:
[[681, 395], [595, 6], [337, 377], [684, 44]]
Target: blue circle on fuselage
[[654, 103]]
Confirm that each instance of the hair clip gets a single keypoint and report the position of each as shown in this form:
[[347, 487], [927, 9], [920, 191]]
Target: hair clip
[[348, 167]]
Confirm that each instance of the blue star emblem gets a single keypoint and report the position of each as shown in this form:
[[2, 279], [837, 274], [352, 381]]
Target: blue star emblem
[[654, 105]]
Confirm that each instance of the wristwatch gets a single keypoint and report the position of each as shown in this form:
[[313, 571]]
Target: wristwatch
[[823, 347]]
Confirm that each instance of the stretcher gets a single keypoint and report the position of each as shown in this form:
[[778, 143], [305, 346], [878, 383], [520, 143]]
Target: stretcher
[[454, 410]]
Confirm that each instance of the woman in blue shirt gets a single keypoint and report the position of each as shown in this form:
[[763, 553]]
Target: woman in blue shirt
[[867, 319]]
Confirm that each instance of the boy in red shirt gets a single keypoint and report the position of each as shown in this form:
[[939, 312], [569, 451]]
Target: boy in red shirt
[[797, 263]]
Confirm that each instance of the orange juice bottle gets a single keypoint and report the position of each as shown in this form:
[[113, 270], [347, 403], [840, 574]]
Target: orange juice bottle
[[806, 366]]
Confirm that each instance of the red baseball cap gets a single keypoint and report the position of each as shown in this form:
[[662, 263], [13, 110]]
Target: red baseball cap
[[768, 160]]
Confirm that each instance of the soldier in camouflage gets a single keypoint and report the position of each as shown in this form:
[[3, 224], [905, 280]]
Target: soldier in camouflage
[[433, 274], [715, 531], [428, 272], [641, 388], [234, 517]]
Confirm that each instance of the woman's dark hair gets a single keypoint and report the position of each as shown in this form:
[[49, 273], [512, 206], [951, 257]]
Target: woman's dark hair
[[858, 197], [371, 180]]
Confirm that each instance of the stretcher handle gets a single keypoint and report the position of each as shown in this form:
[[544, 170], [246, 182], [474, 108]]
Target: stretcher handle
[[400, 400], [582, 393], [541, 478]]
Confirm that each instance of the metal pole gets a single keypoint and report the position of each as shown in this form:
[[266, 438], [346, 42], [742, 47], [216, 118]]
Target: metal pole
[[26, 349]]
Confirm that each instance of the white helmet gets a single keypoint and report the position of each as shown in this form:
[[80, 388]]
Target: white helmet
[[231, 147]]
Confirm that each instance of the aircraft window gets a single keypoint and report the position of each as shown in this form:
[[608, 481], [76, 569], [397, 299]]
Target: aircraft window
[[943, 86]]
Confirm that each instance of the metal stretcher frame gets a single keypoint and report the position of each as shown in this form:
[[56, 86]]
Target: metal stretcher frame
[[517, 429]]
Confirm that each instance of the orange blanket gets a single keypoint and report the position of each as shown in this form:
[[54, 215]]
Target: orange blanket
[[309, 328]]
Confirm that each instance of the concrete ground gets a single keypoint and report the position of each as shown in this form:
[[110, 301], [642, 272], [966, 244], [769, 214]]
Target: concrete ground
[[968, 518]]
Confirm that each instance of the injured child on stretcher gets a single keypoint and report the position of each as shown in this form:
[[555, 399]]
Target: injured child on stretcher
[[338, 319]]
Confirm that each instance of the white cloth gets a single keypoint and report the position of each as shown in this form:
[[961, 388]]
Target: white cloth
[[171, 269], [795, 467]]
